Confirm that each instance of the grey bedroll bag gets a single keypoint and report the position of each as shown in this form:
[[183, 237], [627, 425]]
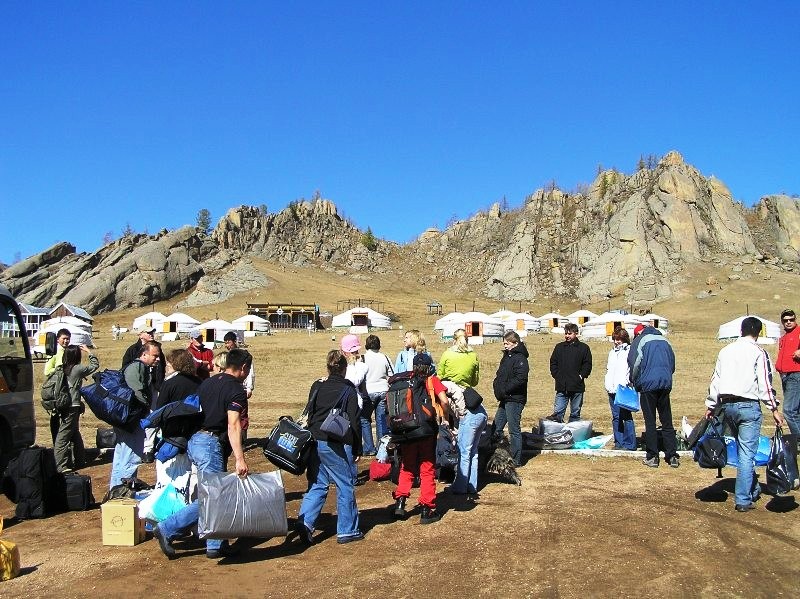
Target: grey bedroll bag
[[231, 507]]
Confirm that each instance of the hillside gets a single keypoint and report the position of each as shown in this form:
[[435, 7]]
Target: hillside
[[626, 239]]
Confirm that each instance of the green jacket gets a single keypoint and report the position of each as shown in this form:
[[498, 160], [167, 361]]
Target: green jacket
[[460, 367]]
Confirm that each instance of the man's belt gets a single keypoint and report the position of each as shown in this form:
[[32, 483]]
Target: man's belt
[[727, 398]]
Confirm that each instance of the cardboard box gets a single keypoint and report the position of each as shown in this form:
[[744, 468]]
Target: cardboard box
[[121, 523]]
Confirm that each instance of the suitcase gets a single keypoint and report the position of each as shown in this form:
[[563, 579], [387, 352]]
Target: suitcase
[[78, 492], [105, 438], [33, 483]]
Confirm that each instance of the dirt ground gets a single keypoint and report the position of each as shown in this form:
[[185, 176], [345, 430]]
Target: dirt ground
[[578, 526]]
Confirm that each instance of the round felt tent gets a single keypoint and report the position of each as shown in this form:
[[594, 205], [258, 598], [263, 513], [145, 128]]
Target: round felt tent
[[770, 331], [178, 322], [151, 319], [361, 320], [601, 326], [581, 317], [252, 325], [520, 322]]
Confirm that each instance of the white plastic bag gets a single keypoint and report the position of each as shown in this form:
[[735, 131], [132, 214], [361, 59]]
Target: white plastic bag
[[177, 471], [231, 507]]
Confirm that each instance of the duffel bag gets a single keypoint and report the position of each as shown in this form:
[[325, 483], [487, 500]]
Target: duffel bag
[[111, 400], [289, 446]]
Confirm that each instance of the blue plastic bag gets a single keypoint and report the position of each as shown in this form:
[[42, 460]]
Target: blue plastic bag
[[762, 453], [627, 397], [593, 442]]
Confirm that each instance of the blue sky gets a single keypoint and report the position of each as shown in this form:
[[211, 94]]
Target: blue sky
[[403, 114]]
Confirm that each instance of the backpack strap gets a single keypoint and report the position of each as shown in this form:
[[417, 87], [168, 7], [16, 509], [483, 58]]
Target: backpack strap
[[434, 400]]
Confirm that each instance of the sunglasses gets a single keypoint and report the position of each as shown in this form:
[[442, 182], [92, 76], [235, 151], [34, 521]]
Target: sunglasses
[[787, 319]]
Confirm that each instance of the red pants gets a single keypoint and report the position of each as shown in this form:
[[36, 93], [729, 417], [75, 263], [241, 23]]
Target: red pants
[[418, 457]]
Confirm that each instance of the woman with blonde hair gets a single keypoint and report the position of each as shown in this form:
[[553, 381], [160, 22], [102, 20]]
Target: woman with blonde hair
[[459, 369]]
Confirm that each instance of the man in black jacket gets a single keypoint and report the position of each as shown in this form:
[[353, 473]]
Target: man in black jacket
[[511, 390], [570, 366]]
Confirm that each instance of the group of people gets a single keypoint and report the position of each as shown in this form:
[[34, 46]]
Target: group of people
[[357, 384]]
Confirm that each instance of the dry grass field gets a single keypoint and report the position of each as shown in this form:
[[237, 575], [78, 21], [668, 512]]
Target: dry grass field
[[579, 526]]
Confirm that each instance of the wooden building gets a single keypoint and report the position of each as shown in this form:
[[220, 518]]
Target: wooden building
[[287, 315]]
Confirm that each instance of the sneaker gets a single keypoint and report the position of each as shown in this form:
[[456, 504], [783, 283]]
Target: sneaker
[[350, 538], [399, 509], [651, 462], [224, 550], [163, 542], [429, 515], [674, 462], [305, 535], [745, 508], [553, 417]]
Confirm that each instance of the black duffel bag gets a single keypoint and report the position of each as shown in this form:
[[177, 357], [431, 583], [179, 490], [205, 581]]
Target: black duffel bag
[[289, 446]]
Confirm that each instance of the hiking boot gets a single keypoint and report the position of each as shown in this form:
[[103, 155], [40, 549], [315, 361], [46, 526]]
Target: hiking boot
[[745, 508], [651, 462], [302, 531], [674, 462], [350, 538], [399, 510], [225, 550], [163, 542], [429, 515]]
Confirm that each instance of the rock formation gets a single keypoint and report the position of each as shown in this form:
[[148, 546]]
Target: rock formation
[[624, 235]]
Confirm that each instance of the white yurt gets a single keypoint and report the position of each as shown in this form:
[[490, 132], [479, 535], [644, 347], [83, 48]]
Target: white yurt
[[581, 317], [178, 322], [214, 330], [601, 326], [479, 327], [554, 321], [654, 320], [770, 331], [520, 322], [78, 335], [66, 322], [252, 325], [151, 319], [361, 320]]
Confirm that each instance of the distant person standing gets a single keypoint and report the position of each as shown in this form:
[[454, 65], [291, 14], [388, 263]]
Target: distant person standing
[[249, 383], [570, 366], [788, 366], [405, 359], [743, 378], [63, 337], [652, 364], [68, 445], [510, 387], [617, 374], [379, 369], [203, 357]]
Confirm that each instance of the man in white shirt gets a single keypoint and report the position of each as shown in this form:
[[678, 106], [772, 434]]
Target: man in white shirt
[[743, 378]]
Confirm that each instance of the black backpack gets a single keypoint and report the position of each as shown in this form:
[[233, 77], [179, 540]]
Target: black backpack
[[34, 484], [411, 405], [55, 392]]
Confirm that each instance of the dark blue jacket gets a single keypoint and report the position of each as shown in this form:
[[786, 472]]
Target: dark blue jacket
[[651, 361]]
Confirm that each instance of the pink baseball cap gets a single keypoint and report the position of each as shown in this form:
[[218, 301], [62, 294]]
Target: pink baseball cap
[[350, 344]]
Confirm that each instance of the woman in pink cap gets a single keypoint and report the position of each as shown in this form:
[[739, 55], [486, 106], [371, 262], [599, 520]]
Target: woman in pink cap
[[357, 374]]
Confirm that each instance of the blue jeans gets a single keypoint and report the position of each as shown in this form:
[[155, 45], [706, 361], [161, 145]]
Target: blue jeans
[[205, 452], [127, 454], [470, 428], [575, 401], [367, 440], [379, 401], [745, 419], [622, 424], [791, 401], [331, 463], [511, 412]]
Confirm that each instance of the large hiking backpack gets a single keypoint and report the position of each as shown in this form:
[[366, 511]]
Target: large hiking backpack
[[55, 392], [112, 401], [411, 407]]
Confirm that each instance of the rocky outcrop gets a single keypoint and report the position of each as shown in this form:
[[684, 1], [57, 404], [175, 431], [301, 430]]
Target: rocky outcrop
[[628, 236], [134, 270]]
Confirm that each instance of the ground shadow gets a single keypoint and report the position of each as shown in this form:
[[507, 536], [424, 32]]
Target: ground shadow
[[717, 492], [782, 504]]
